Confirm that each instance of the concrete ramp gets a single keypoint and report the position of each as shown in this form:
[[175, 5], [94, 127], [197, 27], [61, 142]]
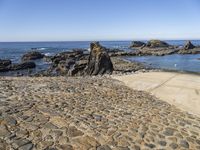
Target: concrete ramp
[[181, 90]]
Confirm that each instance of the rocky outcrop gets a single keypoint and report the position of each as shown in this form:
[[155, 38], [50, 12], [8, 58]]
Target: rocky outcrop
[[137, 44], [66, 56], [32, 56], [189, 48], [5, 62], [99, 61], [5, 65], [22, 66], [156, 44], [188, 45]]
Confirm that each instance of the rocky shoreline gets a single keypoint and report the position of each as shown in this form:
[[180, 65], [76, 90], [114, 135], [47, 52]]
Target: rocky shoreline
[[77, 62]]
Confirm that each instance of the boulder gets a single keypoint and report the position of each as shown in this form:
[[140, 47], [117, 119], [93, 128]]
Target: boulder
[[22, 66], [188, 45], [156, 44], [137, 44], [5, 65], [99, 61], [33, 55]]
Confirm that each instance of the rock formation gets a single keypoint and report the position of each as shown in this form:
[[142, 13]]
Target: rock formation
[[4, 65], [188, 45], [99, 61], [137, 44], [156, 44], [22, 66], [32, 56]]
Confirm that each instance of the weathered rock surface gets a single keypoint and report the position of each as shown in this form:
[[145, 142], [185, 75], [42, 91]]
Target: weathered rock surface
[[137, 44], [33, 55], [189, 48], [188, 45], [156, 44], [99, 61], [82, 113]]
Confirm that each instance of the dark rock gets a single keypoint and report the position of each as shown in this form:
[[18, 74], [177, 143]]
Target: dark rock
[[66, 56], [32, 56], [162, 143], [78, 68], [156, 44], [150, 145], [173, 145], [137, 44], [64, 66], [5, 65], [99, 61], [22, 66], [188, 45]]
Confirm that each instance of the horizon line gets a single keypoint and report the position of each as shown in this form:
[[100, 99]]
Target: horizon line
[[189, 39]]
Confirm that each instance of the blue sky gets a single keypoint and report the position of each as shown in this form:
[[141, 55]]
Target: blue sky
[[69, 20]]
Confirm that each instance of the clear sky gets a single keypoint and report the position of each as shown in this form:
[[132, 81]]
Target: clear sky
[[69, 20]]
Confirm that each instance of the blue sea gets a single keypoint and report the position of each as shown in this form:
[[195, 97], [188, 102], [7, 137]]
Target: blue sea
[[14, 51]]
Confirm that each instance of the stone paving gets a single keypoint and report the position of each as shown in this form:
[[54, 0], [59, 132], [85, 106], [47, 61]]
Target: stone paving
[[89, 113]]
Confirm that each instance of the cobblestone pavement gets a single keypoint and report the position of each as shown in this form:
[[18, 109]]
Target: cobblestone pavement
[[87, 114]]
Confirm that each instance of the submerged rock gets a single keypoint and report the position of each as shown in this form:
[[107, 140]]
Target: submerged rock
[[156, 44], [137, 44], [99, 61], [32, 56], [188, 45]]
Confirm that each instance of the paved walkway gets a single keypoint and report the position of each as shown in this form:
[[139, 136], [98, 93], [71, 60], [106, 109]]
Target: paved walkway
[[181, 90]]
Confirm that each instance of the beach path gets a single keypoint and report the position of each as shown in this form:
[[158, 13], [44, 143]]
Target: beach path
[[179, 89]]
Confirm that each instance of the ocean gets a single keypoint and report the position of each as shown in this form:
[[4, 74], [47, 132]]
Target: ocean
[[14, 51]]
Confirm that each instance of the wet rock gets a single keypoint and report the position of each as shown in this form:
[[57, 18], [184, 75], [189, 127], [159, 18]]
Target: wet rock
[[156, 44], [188, 45], [33, 55], [99, 60], [22, 66], [137, 44]]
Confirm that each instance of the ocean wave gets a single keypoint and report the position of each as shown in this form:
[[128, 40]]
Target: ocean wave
[[40, 48], [49, 54]]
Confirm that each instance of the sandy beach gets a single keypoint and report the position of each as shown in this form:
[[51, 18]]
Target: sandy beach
[[89, 113]]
